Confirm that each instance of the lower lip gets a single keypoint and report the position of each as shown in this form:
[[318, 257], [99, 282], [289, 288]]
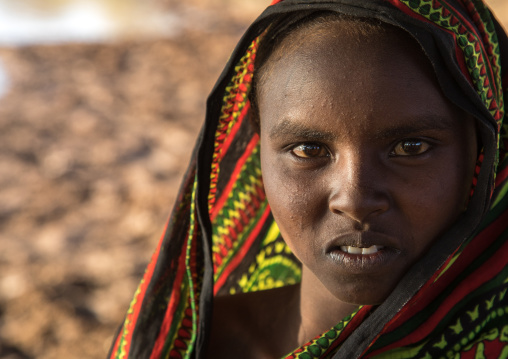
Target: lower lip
[[364, 263]]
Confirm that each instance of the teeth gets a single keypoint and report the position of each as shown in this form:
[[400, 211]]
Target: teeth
[[358, 250], [354, 250], [370, 250]]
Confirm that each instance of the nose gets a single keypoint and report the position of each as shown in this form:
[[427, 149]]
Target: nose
[[359, 188]]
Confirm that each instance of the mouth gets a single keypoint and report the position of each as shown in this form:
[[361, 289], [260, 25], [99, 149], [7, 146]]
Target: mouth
[[363, 252], [364, 243]]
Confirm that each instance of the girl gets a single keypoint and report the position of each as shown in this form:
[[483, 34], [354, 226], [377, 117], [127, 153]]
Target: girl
[[348, 193]]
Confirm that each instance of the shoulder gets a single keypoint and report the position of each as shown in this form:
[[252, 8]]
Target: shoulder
[[249, 325]]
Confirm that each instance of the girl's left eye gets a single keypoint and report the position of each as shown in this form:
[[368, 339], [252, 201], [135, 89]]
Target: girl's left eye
[[410, 147], [309, 150]]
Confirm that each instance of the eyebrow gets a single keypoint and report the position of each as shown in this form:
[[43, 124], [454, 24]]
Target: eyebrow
[[286, 128], [421, 123]]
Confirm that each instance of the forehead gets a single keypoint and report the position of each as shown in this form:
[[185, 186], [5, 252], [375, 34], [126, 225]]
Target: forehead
[[341, 45], [337, 71], [339, 42]]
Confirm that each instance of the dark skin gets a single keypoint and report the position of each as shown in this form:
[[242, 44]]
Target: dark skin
[[361, 179], [249, 325]]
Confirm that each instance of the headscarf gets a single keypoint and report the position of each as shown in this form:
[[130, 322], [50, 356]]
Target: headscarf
[[221, 237]]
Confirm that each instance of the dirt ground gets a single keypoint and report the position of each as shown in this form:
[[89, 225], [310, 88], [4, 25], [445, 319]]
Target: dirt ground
[[94, 141]]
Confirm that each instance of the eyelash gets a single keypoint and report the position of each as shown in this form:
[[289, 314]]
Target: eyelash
[[399, 146]]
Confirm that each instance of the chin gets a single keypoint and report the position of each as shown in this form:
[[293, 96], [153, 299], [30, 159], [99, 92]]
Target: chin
[[363, 294]]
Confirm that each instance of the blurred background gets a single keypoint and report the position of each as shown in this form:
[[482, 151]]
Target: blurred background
[[100, 104]]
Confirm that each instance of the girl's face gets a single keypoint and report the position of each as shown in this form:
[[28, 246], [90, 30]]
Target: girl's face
[[365, 162]]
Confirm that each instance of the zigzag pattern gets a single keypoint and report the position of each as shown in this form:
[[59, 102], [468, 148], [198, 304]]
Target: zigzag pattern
[[320, 346], [483, 20], [234, 101], [273, 267], [263, 273], [240, 209]]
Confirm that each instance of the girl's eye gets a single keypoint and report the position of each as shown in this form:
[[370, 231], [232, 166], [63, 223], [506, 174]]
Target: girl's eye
[[309, 150], [410, 147]]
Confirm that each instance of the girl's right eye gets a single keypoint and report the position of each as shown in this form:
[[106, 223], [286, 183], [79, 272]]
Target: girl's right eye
[[309, 150]]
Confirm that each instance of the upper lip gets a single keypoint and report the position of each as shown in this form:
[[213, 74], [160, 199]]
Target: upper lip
[[361, 239]]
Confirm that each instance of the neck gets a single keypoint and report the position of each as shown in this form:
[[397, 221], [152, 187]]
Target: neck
[[319, 309]]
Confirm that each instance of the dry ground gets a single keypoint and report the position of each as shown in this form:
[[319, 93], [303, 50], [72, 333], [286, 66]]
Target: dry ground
[[94, 141]]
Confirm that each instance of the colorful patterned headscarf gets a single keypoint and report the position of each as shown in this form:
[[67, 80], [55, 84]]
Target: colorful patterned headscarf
[[222, 239]]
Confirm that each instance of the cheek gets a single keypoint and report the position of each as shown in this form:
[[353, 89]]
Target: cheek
[[440, 197], [294, 201], [465, 159], [460, 173], [287, 196]]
